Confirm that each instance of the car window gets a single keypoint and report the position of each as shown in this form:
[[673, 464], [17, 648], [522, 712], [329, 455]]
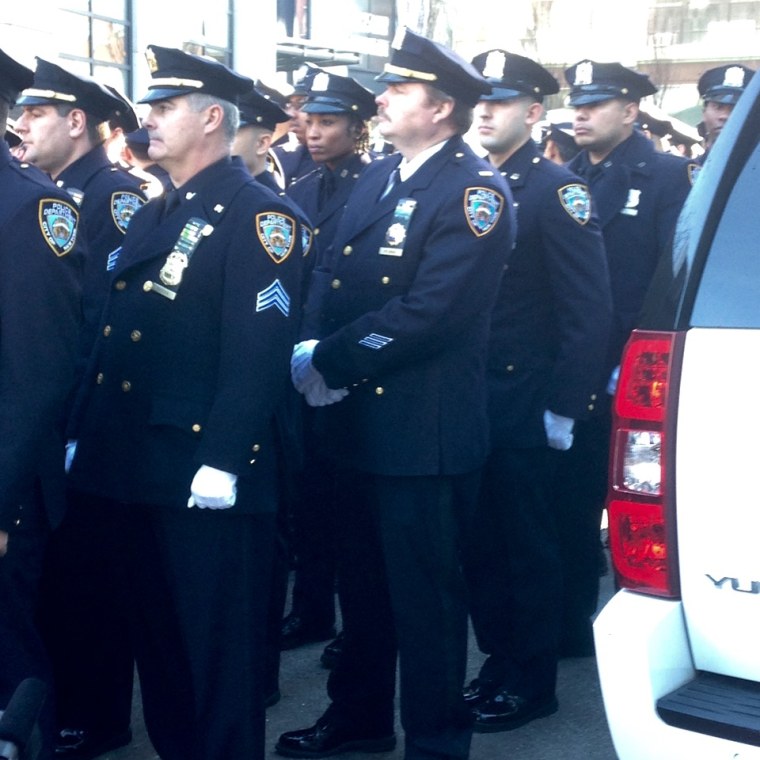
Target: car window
[[729, 290]]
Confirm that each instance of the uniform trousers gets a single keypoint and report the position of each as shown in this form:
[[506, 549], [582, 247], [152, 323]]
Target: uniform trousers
[[22, 653], [578, 493], [401, 583], [197, 587], [513, 570]]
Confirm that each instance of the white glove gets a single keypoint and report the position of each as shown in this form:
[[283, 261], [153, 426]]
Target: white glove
[[302, 371], [71, 450], [559, 431], [212, 489], [613, 381], [318, 394]]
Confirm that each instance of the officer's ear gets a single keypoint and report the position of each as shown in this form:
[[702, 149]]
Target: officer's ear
[[213, 118], [77, 120], [630, 112]]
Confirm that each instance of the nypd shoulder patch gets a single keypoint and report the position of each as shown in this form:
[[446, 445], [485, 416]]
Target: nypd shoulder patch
[[59, 222], [276, 233], [482, 208], [123, 207], [576, 200], [307, 239]]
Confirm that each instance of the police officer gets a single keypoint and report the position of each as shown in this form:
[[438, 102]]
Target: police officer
[[63, 125], [547, 349], [720, 89], [175, 419], [638, 194], [404, 320], [559, 143], [134, 154], [40, 260]]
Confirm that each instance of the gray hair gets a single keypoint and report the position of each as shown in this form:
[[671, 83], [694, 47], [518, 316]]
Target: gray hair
[[199, 101]]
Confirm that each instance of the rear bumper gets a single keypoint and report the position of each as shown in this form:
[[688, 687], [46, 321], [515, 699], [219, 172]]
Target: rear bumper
[[643, 655]]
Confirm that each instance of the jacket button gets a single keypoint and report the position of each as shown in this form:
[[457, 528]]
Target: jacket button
[[510, 367], [379, 391], [120, 284], [593, 396], [107, 330], [591, 407], [386, 280], [256, 447], [335, 284], [99, 378], [348, 250], [316, 230], [196, 428], [135, 335], [126, 386], [147, 286]]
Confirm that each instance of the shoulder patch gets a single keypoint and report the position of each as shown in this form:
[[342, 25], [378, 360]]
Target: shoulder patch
[[59, 221], [693, 170], [123, 207], [307, 238], [482, 208], [276, 233], [576, 200]]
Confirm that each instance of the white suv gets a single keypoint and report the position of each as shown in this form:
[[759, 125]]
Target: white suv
[[678, 647]]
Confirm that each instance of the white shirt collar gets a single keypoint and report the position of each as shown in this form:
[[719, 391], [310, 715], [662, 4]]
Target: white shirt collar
[[407, 168]]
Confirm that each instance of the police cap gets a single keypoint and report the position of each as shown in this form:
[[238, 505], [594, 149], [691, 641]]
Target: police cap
[[724, 84], [13, 78], [592, 82], [258, 111], [330, 93], [514, 76], [562, 133], [125, 116], [303, 84], [279, 95], [54, 85], [417, 59], [175, 72], [12, 137]]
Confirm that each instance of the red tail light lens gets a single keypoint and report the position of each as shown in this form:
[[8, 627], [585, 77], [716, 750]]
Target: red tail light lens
[[641, 534]]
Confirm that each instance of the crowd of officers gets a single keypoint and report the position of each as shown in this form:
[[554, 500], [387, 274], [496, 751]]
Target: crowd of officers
[[241, 345]]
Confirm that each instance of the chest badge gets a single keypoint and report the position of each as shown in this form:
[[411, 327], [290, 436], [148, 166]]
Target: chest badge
[[395, 235], [631, 207], [178, 260], [482, 207]]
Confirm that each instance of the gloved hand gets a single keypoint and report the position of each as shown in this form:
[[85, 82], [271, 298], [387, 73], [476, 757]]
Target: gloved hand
[[318, 394], [212, 489], [71, 450], [613, 381], [559, 431], [302, 371]]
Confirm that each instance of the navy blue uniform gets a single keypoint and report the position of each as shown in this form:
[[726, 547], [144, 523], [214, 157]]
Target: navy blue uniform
[[295, 161], [638, 193], [405, 310], [546, 350], [40, 308], [180, 382]]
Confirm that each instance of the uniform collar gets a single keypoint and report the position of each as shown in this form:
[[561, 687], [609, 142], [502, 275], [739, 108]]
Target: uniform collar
[[78, 173]]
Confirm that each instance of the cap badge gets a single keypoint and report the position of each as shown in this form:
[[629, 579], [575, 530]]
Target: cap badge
[[734, 77], [321, 82], [150, 57], [584, 73], [398, 40], [495, 63]]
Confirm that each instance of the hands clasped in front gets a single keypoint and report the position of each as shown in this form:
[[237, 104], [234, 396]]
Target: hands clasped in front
[[307, 379]]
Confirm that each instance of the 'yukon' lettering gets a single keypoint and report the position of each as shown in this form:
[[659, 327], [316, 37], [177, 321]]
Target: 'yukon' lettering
[[744, 587]]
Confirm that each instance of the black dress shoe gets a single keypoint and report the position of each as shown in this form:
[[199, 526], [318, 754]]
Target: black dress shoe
[[326, 738], [78, 744], [331, 653], [505, 712], [479, 690], [295, 633]]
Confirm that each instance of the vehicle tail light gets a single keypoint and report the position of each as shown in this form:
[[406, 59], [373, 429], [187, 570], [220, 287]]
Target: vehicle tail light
[[641, 525]]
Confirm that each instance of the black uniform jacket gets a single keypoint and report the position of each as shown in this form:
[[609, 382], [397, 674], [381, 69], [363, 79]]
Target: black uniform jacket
[[108, 197], [40, 269], [638, 193], [174, 384], [405, 314], [551, 321]]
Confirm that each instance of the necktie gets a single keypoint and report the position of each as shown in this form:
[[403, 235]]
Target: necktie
[[171, 201], [393, 180]]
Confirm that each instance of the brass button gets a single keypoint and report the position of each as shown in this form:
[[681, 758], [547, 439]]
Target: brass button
[[591, 407], [147, 286], [510, 367], [107, 330], [256, 447], [593, 396], [348, 250], [316, 230], [385, 280], [135, 335], [126, 386], [196, 428], [379, 391], [335, 284], [99, 378], [120, 284]]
